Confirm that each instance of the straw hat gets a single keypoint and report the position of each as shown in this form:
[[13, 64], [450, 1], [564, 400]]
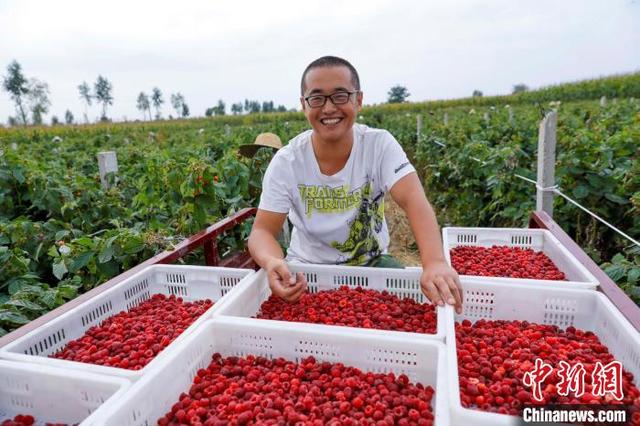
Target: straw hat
[[269, 140]]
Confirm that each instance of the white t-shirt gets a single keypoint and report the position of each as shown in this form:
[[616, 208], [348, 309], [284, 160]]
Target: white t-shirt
[[336, 219]]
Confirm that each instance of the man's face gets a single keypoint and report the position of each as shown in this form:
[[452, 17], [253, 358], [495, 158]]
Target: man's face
[[331, 123]]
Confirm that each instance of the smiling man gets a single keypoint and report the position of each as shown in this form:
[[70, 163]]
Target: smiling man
[[331, 181]]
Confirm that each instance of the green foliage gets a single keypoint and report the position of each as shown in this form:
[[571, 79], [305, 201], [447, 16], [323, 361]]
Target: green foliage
[[102, 93], [397, 95], [62, 234], [15, 84]]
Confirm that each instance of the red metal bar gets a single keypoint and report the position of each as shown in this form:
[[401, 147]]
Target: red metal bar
[[627, 307], [195, 241], [211, 253]]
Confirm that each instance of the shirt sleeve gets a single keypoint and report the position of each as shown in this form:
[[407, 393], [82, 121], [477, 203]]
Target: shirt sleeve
[[394, 164], [276, 196]]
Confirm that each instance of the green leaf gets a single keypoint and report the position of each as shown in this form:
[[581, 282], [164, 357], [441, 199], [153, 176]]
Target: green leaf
[[59, 269], [580, 191], [26, 304], [67, 291], [2, 331], [616, 199], [80, 261], [13, 317], [109, 269], [106, 254], [634, 275], [615, 272], [49, 298], [53, 251], [61, 234], [618, 259]]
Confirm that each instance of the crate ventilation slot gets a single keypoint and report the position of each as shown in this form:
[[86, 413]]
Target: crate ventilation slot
[[560, 312], [521, 240], [479, 304], [44, 344], [176, 278], [351, 280], [466, 238], [306, 348], [178, 290], [136, 289], [227, 283], [24, 402], [97, 313], [388, 357], [253, 342]]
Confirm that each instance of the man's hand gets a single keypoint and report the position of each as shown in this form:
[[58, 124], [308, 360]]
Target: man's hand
[[282, 283], [440, 283]]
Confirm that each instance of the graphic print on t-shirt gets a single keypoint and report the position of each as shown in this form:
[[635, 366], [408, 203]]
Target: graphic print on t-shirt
[[361, 243], [325, 199]]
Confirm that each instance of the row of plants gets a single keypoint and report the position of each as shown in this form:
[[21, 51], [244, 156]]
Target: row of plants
[[61, 233]]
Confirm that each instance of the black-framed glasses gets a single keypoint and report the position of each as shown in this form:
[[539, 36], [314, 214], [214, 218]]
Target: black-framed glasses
[[338, 98]]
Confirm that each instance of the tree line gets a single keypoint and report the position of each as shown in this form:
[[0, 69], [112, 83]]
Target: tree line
[[31, 98]]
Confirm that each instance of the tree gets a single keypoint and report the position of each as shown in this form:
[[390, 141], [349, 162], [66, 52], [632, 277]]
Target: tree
[[102, 89], [38, 99], [185, 110], [221, 108], [85, 96], [267, 106], [282, 108], [519, 88], [156, 98], [397, 94], [54, 120], [477, 93], [68, 117], [252, 106], [15, 84], [143, 105], [236, 108], [177, 101], [216, 110]]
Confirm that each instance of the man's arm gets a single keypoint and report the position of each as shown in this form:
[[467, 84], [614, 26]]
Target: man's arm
[[439, 281], [266, 252]]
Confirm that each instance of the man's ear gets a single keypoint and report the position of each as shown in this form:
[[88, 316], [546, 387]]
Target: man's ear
[[359, 100], [302, 103]]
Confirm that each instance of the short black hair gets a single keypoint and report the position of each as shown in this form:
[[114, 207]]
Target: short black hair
[[331, 61]]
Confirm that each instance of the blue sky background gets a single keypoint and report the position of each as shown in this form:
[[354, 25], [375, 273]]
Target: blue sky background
[[232, 50]]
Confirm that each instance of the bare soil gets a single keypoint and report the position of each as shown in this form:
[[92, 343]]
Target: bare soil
[[402, 245]]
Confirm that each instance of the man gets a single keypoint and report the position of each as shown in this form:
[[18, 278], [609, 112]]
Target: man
[[331, 182]]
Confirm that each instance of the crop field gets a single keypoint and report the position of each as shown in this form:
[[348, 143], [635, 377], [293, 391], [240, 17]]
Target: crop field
[[62, 234]]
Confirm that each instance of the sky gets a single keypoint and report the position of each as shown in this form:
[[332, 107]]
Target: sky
[[255, 49]]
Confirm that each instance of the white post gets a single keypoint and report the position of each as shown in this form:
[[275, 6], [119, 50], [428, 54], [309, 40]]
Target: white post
[[510, 110], [486, 117], [445, 119], [546, 162], [603, 101], [107, 163], [418, 127], [227, 130]]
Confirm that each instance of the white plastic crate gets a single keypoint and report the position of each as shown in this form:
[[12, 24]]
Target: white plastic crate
[[53, 395], [537, 239], [189, 282], [583, 309], [152, 396], [245, 300]]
